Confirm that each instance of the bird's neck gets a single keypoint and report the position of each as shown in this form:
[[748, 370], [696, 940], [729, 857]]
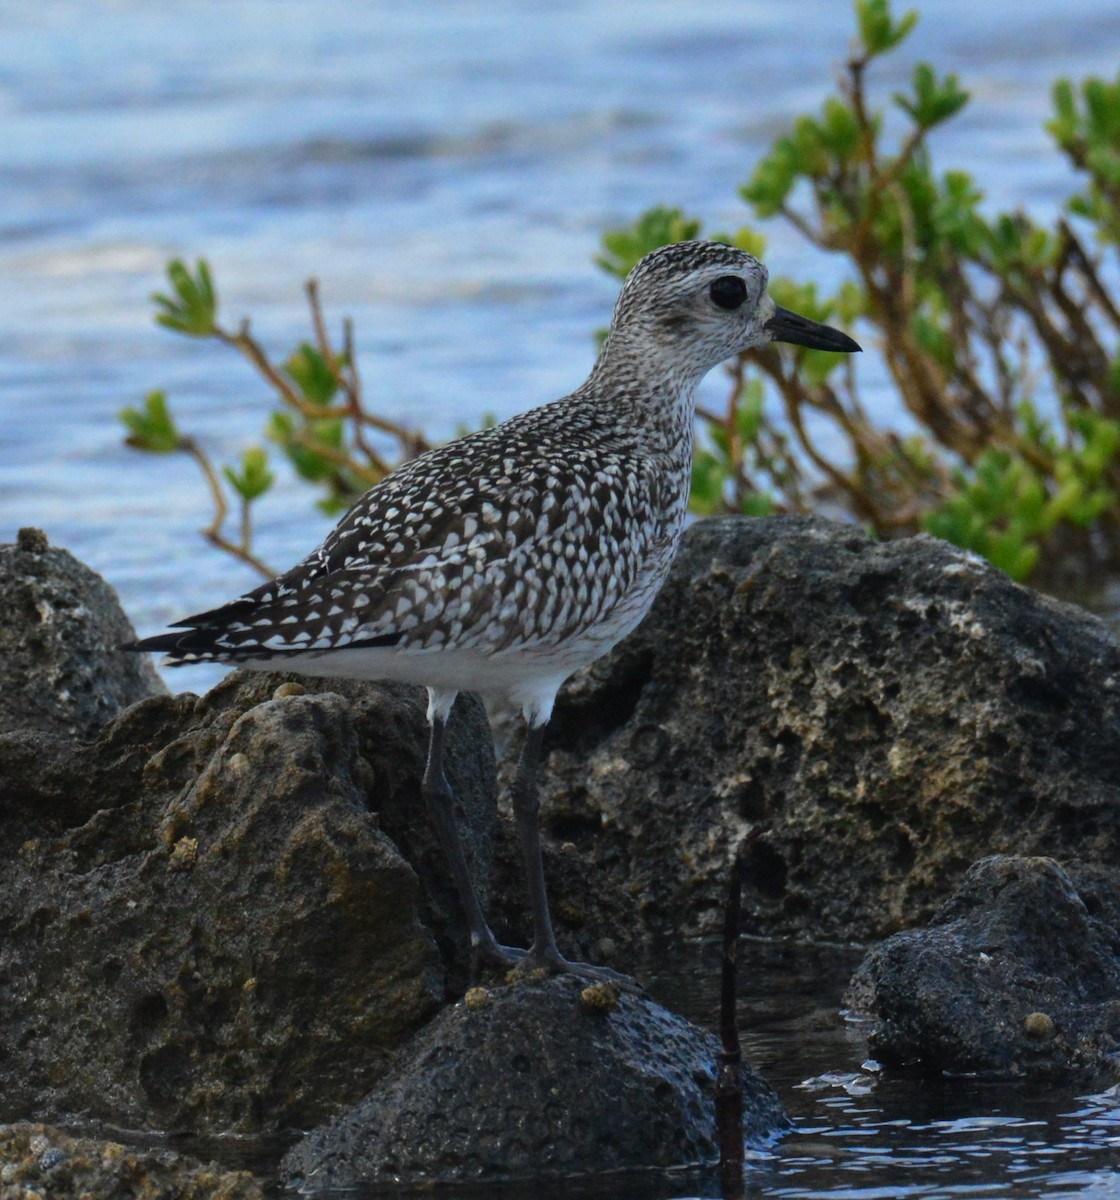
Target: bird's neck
[[651, 392]]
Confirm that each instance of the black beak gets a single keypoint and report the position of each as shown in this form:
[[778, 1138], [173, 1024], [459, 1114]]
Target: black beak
[[786, 326]]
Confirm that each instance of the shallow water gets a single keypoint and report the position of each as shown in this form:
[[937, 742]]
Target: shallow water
[[864, 1133], [446, 170]]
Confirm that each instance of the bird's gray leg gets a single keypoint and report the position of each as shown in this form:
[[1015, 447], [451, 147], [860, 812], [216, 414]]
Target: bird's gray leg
[[543, 953], [527, 809], [437, 793]]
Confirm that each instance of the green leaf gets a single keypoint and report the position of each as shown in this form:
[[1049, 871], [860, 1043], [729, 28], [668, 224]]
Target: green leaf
[[254, 478], [152, 427], [330, 434], [773, 178], [192, 308], [1008, 552], [750, 241], [335, 503], [1101, 108], [934, 100], [954, 214], [315, 377], [878, 31], [658, 227], [840, 130], [818, 365], [748, 410], [1065, 125], [709, 475], [309, 465], [1101, 440], [851, 303]]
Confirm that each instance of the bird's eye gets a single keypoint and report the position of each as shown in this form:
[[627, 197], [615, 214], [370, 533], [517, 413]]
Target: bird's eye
[[728, 291]]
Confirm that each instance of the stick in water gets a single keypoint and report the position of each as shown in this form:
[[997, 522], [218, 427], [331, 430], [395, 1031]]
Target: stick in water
[[729, 1085]]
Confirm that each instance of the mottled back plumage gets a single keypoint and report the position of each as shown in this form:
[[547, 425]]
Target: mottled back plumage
[[519, 536]]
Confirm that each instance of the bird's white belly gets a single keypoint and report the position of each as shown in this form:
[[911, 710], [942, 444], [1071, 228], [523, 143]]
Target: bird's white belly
[[449, 667]]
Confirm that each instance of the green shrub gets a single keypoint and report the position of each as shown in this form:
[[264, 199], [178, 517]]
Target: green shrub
[[320, 421]]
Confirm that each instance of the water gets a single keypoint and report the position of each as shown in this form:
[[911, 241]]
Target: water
[[446, 171], [863, 1134]]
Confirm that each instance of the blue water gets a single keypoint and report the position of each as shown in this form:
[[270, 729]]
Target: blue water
[[446, 170]]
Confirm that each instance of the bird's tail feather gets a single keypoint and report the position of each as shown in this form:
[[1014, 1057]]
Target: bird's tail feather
[[186, 646]]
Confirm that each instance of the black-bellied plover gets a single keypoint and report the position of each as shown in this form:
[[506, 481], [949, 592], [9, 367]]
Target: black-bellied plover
[[503, 562]]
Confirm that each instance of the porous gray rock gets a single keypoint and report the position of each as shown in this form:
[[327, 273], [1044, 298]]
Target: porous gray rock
[[1013, 977], [534, 1080], [891, 711], [391, 728], [220, 913], [595, 917], [60, 669], [38, 1162], [224, 941]]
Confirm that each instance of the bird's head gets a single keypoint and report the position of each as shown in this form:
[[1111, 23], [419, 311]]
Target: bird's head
[[697, 304]]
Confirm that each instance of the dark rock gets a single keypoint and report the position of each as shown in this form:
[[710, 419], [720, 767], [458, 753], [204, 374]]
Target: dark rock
[[892, 711], [530, 1081], [40, 1161], [49, 783], [218, 914], [390, 723], [595, 917], [207, 920], [230, 943], [60, 669], [1098, 885], [1012, 977]]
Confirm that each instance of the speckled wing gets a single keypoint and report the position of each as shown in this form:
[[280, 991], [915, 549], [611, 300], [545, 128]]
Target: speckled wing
[[502, 540]]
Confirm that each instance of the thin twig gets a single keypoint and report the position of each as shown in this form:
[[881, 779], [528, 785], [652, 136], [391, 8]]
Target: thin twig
[[311, 287], [1089, 271], [223, 543], [244, 341], [352, 388], [213, 532], [366, 475], [246, 524]]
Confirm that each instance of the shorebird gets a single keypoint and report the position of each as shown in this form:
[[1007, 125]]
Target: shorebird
[[506, 560]]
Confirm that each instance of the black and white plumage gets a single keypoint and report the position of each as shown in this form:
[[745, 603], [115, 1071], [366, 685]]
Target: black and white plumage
[[504, 561], [476, 566]]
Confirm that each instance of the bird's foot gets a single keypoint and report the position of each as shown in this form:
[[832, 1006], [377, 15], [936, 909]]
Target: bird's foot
[[488, 952], [539, 963]]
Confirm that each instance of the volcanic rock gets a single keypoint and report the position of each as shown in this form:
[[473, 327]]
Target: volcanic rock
[[1012, 977], [536, 1079], [60, 668], [890, 711]]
